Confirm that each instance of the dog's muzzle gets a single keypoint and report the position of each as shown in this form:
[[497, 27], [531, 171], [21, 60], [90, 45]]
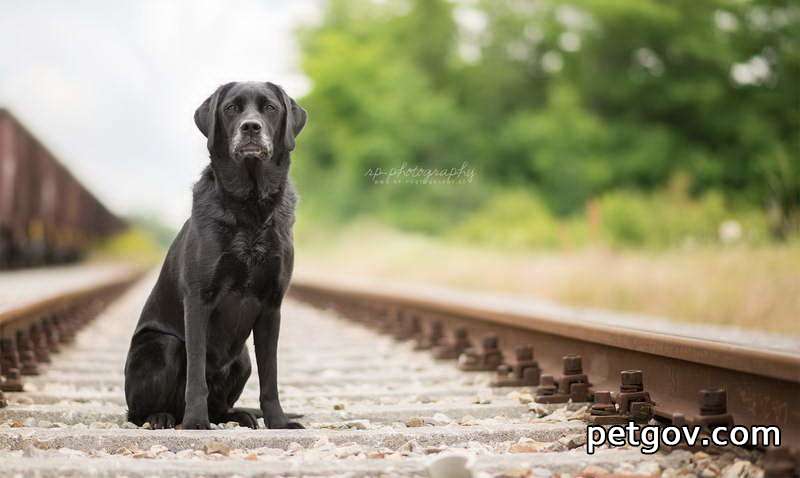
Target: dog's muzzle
[[258, 149]]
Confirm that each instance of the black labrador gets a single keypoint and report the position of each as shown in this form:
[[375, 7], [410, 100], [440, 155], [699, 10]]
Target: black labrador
[[225, 274]]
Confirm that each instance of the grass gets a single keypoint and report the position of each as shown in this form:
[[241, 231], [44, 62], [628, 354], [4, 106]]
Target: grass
[[134, 245], [756, 287]]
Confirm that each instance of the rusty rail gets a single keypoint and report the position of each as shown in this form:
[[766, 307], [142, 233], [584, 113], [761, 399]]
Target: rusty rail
[[650, 376], [30, 333]]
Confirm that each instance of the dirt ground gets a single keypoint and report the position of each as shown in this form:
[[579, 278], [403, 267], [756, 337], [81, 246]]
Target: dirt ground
[[749, 287]]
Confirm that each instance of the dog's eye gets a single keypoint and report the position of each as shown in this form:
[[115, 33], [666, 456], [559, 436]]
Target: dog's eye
[[232, 108], [269, 107]]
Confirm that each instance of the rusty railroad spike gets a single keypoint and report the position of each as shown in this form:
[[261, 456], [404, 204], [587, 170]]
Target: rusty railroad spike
[[3, 402], [40, 347], [485, 358], [523, 372], [26, 354], [452, 348], [713, 409], [10, 365], [547, 391], [430, 337], [632, 400], [51, 334]]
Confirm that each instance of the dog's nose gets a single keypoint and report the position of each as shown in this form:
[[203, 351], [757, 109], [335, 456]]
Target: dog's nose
[[250, 127]]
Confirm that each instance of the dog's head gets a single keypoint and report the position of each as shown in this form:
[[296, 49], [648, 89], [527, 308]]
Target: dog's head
[[251, 129]]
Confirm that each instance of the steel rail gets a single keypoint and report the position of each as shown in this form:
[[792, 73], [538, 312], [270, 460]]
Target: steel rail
[[31, 332], [763, 386], [18, 315]]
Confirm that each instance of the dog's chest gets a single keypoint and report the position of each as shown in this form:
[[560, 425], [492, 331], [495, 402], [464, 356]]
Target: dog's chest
[[254, 246], [252, 265]]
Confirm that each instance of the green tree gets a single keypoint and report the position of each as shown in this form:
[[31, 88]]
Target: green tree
[[570, 100]]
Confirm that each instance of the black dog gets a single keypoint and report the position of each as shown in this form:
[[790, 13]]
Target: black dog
[[226, 273]]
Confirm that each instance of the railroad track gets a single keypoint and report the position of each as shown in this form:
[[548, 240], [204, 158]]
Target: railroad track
[[374, 404], [42, 310]]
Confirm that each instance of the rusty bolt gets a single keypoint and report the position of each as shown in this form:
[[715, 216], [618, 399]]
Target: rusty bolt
[[51, 333], [27, 354], [461, 339], [65, 326], [453, 348], [2, 381], [530, 375], [524, 353], [430, 337], [713, 402], [632, 381], [489, 342], [414, 325], [40, 348], [547, 385], [436, 331], [10, 356], [407, 326], [13, 382], [603, 405], [573, 365], [503, 371], [641, 412], [603, 397]]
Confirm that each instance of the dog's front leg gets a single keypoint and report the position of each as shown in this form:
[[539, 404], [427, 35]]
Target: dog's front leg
[[196, 315], [265, 339]]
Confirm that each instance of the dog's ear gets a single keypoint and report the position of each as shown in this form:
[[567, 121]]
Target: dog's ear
[[205, 116], [295, 118]]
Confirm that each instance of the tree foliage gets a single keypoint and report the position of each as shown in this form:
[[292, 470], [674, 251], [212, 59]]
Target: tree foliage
[[570, 100]]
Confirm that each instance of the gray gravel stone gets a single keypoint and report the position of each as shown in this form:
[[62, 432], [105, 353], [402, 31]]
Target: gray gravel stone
[[362, 420]]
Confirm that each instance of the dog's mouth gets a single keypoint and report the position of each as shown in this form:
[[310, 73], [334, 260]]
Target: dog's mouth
[[253, 150]]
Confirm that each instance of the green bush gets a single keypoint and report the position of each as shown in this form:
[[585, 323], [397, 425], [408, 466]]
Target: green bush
[[621, 219], [670, 218], [135, 244], [574, 155], [515, 219]]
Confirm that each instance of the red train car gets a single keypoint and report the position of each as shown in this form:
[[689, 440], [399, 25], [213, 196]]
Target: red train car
[[46, 215]]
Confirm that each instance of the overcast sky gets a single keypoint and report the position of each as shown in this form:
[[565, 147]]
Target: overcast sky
[[111, 89]]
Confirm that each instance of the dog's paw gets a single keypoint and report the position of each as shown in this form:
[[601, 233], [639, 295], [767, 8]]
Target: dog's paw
[[284, 425], [160, 421], [194, 424], [243, 417], [281, 423], [275, 418]]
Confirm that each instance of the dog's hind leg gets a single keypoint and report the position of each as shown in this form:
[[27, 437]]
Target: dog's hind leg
[[239, 374], [155, 380], [221, 407]]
